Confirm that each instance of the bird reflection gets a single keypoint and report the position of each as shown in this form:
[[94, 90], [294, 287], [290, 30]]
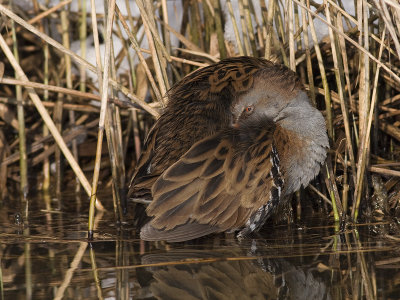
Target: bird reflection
[[227, 274]]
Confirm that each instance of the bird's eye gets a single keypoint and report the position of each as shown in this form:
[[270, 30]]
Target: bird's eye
[[249, 109]]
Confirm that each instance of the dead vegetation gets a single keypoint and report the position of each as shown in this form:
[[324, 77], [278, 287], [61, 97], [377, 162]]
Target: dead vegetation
[[53, 116]]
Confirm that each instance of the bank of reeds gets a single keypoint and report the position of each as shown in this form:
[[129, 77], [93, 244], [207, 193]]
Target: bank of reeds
[[53, 116]]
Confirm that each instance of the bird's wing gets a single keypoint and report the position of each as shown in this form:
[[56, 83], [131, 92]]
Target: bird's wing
[[217, 185]]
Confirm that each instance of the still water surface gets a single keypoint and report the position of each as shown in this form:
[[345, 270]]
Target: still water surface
[[45, 255]]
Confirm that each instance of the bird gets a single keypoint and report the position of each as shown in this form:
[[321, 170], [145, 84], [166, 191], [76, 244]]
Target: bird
[[235, 139]]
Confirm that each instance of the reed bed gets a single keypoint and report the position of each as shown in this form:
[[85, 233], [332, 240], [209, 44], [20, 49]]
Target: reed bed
[[56, 106]]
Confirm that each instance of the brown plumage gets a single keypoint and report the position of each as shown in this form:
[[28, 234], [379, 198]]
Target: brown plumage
[[235, 138]]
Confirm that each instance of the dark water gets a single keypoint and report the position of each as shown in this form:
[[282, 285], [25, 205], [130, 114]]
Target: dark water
[[45, 255]]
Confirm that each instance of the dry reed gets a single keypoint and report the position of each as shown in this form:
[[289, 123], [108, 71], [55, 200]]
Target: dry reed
[[352, 75]]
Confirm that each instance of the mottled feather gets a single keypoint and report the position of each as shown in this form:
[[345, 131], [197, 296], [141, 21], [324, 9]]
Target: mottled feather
[[234, 140], [206, 187]]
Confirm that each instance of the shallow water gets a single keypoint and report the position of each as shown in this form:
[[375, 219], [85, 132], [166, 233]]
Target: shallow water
[[45, 255]]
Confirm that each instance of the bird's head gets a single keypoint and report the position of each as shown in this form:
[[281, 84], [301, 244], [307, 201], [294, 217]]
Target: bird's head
[[273, 90]]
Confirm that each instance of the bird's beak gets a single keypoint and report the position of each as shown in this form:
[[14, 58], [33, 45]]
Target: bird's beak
[[235, 121]]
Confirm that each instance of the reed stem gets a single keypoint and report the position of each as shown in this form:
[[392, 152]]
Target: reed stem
[[23, 165], [103, 113]]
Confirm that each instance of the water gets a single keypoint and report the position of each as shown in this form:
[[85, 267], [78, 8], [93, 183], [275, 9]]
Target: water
[[47, 256]]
